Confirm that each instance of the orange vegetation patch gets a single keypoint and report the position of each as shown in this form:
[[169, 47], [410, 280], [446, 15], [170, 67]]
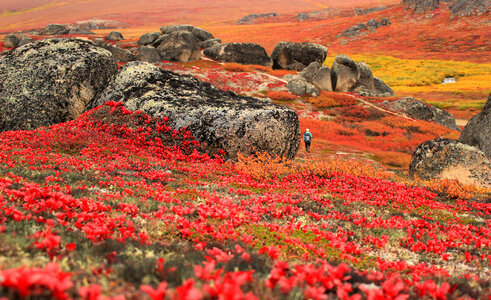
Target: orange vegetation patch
[[331, 99], [281, 95]]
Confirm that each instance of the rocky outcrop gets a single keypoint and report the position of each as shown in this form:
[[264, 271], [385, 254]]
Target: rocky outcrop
[[114, 36], [53, 29], [181, 46], [366, 11], [173, 28], [250, 19], [99, 24], [422, 111], [51, 81], [11, 41], [202, 34], [457, 7], [361, 28], [317, 77], [445, 158], [322, 79], [222, 120], [297, 56], [477, 132], [149, 54], [243, 53], [76, 31], [344, 73]]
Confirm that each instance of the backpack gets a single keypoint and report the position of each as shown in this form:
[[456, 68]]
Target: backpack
[[306, 137]]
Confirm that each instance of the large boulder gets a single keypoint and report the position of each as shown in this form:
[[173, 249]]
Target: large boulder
[[53, 29], [365, 80], [11, 41], [301, 87], [323, 79], [25, 40], [114, 36], [311, 70], [76, 31], [445, 158], [222, 120], [422, 111], [202, 34], [120, 55], [148, 38], [381, 88], [51, 81], [210, 43], [181, 46], [173, 28], [344, 73], [297, 56], [148, 54], [243, 53], [477, 132]]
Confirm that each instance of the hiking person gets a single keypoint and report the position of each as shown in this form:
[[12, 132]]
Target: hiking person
[[307, 137]]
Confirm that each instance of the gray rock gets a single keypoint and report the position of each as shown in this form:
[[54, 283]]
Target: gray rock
[[11, 41], [301, 87], [302, 17], [120, 55], [445, 158], [25, 41], [222, 120], [311, 70], [373, 23], [385, 22], [250, 19], [179, 46], [366, 77], [148, 38], [53, 29], [344, 74], [469, 7], [323, 79], [286, 54], [173, 28], [422, 111], [77, 31], [381, 88], [477, 132], [148, 54], [51, 81], [202, 34], [210, 43], [243, 53], [115, 36], [421, 6]]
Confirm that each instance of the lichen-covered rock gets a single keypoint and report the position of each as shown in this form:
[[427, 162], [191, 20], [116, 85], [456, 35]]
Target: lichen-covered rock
[[53, 29], [181, 46], [11, 41], [344, 73], [242, 53], [114, 36], [202, 34], [51, 81], [366, 77], [477, 132], [148, 38], [301, 87], [77, 31], [421, 6], [469, 7], [149, 54], [445, 158], [381, 88], [285, 55], [422, 111], [222, 120]]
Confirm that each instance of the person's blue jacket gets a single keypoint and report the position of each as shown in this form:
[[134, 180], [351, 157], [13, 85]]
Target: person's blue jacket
[[307, 139]]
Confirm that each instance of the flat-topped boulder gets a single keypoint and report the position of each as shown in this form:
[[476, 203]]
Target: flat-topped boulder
[[221, 120], [181, 46], [51, 81], [242, 53], [297, 56]]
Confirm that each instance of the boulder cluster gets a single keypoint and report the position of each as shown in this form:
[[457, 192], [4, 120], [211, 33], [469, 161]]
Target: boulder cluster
[[370, 26], [345, 75], [366, 11], [468, 159], [55, 80], [457, 7], [250, 19]]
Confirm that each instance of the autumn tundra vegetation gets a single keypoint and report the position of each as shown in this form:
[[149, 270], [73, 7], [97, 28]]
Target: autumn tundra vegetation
[[134, 165]]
